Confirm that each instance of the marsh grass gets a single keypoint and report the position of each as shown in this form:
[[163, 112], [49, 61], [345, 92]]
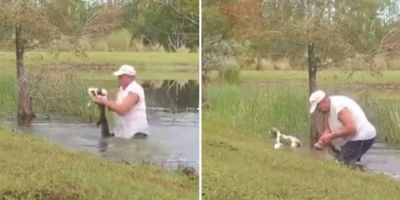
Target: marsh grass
[[385, 115], [259, 108], [60, 92], [7, 94], [232, 75]]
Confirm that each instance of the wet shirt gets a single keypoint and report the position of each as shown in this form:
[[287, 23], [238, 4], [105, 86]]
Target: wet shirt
[[365, 130], [136, 119]]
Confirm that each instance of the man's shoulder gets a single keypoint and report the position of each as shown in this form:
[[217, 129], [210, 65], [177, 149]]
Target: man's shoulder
[[340, 98], [135, 87], [340, 101]]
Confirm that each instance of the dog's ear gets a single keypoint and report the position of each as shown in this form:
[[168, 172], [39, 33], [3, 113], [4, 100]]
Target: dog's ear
[[101, 92], [299, 144]]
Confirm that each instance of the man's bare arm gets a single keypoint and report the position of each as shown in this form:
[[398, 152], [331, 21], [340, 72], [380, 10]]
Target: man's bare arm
[[127, 104]]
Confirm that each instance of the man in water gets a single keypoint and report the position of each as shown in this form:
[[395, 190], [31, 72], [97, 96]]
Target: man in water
[[343, 119], [130, 106]]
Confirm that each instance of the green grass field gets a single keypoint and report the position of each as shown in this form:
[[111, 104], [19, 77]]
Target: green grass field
[[149, 65], [324, 76], [241, 164], [384, 84], [339, 76], [33, 169]]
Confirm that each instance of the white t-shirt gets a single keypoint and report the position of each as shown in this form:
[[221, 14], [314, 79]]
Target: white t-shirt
[[365, 130], [136, 119]]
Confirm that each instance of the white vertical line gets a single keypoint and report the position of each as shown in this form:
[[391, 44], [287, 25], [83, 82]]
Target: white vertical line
[[200, 101]]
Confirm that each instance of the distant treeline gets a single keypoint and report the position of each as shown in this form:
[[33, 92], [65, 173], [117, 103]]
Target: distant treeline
[[128, 25]]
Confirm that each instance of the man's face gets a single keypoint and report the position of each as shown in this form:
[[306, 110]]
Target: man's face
[[124, 80], [324, 106]]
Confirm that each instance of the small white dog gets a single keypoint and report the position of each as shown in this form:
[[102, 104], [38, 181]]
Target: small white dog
[[282, 139], [96, 91]]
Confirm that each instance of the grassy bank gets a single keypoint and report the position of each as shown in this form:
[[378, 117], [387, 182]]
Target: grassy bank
[[33, 169], [238, 164]]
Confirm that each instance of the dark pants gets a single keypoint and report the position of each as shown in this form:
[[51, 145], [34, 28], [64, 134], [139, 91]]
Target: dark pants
[[352, 151], [139, 135]]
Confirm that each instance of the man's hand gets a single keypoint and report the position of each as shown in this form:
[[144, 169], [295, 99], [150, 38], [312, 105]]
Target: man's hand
[[100, 99], [326, 138], [348, 129], [319, 145]]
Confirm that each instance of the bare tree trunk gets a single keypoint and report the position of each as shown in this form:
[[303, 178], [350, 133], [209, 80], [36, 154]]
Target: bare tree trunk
[[312, 85], [204, 88], [312, 68], [24, 101], [110, 3], [258, 62]]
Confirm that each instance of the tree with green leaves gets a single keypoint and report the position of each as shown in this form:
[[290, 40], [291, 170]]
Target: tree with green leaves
[[31, 24], [315, 33], [171, 23]]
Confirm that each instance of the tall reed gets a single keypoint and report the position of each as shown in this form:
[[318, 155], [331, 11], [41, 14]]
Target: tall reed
[[258, 109]]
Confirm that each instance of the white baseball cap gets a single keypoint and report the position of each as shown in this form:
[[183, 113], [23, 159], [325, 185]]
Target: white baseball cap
[[315, 98], [125, 69]]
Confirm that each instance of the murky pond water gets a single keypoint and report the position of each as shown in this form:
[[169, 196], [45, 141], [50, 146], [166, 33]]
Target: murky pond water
[[383, 159], [173, 141], [172, 93]]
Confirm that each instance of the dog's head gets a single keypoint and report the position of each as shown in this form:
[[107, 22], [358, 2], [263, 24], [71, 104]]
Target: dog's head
[[274, 132], [282, 139], [101, 92], [97, 91]]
